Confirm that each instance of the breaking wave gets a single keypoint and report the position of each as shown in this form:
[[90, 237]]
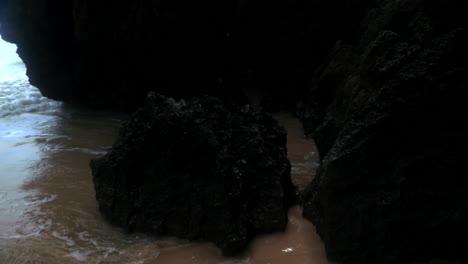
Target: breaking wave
[[18, 97]]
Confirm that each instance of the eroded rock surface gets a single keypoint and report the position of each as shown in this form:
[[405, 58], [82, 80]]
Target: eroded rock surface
[[387, 114], [198, 169]]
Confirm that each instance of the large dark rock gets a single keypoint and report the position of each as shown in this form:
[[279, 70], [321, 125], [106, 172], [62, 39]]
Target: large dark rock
[[388, 115], [198, 169]]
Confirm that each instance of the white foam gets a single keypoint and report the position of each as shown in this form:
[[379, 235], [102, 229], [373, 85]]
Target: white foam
[[32, 228], [19, 236], [18, 96], [78, 255], [87, 151], [66, 239], [85, 236]]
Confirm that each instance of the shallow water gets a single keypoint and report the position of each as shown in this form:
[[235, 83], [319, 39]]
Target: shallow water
[[48, 213], [302, 152]]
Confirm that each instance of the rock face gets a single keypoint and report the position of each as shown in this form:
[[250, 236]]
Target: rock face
[[111, 53], [200, 170], [388, 114]]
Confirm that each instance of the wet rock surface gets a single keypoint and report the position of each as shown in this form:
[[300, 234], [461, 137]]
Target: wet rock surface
[[387, 114], [198, 169]]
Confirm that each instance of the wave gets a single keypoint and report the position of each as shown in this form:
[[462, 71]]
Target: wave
[[18, 97]]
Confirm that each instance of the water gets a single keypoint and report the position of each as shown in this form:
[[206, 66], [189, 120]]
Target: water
[[48, 213]]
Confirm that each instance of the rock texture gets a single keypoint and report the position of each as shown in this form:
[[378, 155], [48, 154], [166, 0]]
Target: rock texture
[[387, 112], [200, 170], [111, 53]]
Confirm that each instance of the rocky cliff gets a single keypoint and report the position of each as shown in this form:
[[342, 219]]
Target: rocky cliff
[[387, 113], [111, 53]]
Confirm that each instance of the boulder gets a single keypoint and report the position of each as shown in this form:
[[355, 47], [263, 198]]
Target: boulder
[[199, 169]]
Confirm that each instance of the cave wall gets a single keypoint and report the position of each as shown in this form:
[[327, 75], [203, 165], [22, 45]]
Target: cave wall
[[111, 53], [47, 47], [387, 113]]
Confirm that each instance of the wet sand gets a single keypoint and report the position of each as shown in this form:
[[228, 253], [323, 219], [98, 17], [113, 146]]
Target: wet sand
[[49, 214]]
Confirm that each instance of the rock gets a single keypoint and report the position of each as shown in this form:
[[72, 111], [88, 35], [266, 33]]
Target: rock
[[110, 54], [389, 122], [41, 30], [199, 169]]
